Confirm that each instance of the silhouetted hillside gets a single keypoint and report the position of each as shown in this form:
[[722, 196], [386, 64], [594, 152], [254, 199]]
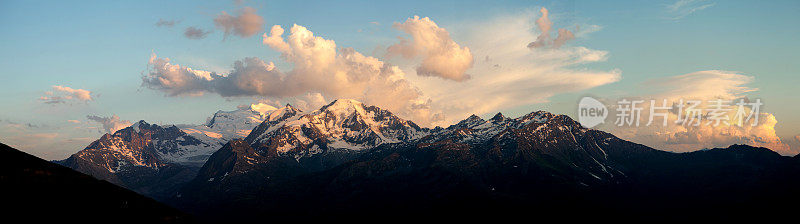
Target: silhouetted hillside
[[35, 190]]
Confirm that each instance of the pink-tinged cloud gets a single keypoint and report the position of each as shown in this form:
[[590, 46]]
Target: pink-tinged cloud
[[64, 94], [544, 40], [441, 56], [705, 87], [509, 74], [247, 23]]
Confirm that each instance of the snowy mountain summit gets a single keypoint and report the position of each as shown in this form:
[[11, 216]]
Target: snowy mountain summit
[[344, 124], [317, 140]]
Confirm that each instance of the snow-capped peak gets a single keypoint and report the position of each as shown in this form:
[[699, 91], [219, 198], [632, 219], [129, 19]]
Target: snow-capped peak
[[243, 119], [342, 124], [343, 107], [498, 117], [470, 122], [282, 113], [137, 125]]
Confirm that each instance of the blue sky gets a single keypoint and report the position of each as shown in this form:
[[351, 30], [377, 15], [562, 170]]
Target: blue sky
[[104, 47]]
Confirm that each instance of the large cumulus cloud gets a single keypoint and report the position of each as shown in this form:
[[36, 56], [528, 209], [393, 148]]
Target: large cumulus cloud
[[319, 66], [441, 56]]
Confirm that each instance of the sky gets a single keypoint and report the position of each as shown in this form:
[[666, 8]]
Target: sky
[[76, 70]]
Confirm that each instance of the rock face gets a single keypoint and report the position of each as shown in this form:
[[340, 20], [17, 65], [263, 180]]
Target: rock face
[[140, 157], [155, 160], [348, 159]]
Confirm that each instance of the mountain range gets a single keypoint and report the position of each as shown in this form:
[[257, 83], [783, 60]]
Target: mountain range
[[348, 159]]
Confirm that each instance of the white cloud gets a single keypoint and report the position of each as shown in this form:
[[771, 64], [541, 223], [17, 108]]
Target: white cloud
[[64, 94], [683, 8], [441, 56], [246, 24], [110, 124]]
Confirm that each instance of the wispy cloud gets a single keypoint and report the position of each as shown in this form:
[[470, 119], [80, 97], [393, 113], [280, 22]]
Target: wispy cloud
[[509, 73], [49, 141], [166, 23], [683, 8], [64, 94], [703, 86]]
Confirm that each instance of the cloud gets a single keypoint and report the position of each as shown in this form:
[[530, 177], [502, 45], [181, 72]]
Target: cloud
[[310, 101], [74, 121], [563, 36], [708, 84], [706, 87], [175, 80], [319, 67], [545, 25], [64, 94], [246, 24], [441, 56], [195, 33], [48, 141], [683, 8], [166, 23], [510, 74], [320, 71], [110, 124]]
